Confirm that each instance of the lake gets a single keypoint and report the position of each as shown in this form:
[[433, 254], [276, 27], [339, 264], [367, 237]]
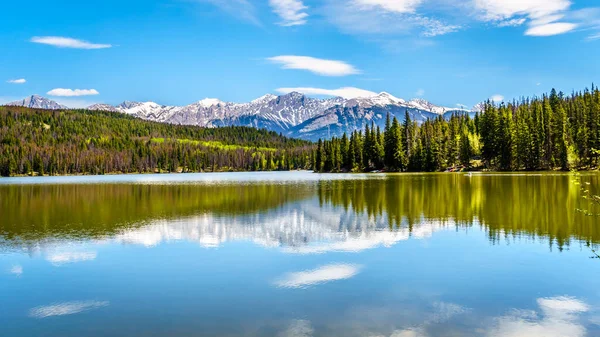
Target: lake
[[299, 254]]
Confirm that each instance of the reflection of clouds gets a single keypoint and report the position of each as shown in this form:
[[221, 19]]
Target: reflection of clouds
[[408, 333], [298, 328], [16, 270], [332, 272], [66, 308], [397, 317], [444, 311], [60, 258], [559, 318]]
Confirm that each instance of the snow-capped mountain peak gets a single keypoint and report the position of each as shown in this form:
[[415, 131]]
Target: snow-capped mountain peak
[[38, 102], [102, 107], [387, 98], [264, 99], [209, 102], [128, 105]]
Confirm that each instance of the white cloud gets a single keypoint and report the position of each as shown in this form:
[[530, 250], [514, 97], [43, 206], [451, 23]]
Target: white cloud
[[61, 258], [559, 317], [303, 279], [593, 37], [420, 93], [67, 42], [385, 17], [292, 12], [66, 308], [495, 10], [72, 92], [315, 65], [242, 9], [541, 15], [497, 98], [551, 29], [346, 92], [397, 6], [17, 81], [16, 270]]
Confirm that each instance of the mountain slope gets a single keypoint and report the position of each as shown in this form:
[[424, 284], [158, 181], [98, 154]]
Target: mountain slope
[[294, 114]]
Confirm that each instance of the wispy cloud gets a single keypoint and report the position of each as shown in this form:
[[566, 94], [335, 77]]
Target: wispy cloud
[[420, 93], [72, 92], [512, 22], [17, 81], [347, 92], [60, 258], [66, 308], [551, 29], [593, 37], [397, 6], [383, 17], [67, 42], [242, 9], [315, 65], [542, 16], [303, 279], [291, 12], [497, 98]]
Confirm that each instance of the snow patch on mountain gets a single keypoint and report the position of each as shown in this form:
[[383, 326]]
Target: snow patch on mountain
[[37, 102]]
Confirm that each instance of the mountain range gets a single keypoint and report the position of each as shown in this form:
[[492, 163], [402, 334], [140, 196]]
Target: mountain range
[[294, 114]]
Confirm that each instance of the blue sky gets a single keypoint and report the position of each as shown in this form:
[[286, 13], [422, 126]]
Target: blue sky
[[175, 52]]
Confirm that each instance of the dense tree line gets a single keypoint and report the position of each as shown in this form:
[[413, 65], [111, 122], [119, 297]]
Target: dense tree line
[[543, 133], [92, 142]]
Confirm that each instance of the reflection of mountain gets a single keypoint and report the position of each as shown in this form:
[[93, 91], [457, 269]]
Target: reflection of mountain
[[35, 213], [300, 228]]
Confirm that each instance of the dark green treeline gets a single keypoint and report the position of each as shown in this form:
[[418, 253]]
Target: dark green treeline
[[91, 142], [547, 133]]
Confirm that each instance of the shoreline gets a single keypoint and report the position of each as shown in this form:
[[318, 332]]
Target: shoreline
[[156, 174]]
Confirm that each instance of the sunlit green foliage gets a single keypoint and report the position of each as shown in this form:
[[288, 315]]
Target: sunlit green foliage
[[91, 142], [553, 132]]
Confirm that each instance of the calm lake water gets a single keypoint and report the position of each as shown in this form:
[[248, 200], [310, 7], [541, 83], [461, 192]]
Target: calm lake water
[[299, 254]]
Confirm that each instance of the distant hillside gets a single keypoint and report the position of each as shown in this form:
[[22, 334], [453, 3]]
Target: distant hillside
[[34, 141]]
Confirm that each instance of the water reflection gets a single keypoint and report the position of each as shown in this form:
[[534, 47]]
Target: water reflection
[[66, 308], [16, 270], [324, 274], [559, 317], [310, 217], [399, 255], [298, 328], [59, 258]]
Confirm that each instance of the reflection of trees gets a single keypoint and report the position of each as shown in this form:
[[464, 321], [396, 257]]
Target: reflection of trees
[[506, 205], [39, 211], [311, 217]]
